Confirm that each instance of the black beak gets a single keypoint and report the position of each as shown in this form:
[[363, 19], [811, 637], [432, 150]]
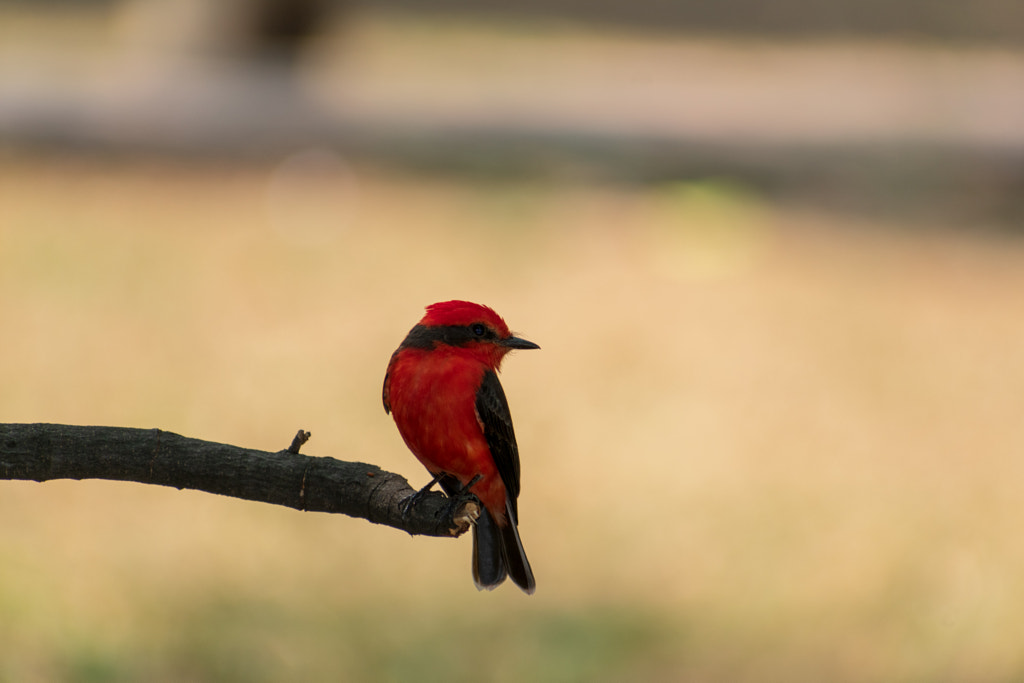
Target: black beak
[[517, 343]]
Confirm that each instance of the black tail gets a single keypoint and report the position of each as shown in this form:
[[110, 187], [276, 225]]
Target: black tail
[[498, 552]]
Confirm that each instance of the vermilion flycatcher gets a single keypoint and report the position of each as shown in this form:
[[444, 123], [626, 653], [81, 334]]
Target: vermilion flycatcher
[[442, 389]]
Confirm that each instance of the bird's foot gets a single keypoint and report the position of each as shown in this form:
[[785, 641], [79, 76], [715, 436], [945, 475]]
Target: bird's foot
[[418, 496], [460, 498]]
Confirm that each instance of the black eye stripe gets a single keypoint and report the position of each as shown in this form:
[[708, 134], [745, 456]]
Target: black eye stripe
[[423, 337]]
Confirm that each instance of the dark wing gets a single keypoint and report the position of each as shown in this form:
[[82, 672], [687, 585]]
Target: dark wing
[[492, 411], [386, 393]]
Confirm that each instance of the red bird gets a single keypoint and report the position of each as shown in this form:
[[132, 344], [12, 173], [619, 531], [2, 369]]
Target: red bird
[[442, 389]]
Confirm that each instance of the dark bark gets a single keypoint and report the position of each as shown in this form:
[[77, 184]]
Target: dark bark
[[41, 452]]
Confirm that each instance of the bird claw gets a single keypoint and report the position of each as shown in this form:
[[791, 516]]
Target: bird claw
[[461, 498], [455, 502], [418, 496], [468, 514], [409, 502]]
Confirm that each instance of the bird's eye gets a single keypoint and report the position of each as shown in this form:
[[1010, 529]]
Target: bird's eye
[[478, 329]]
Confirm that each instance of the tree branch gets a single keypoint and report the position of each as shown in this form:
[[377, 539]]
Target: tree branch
[[41, 452]]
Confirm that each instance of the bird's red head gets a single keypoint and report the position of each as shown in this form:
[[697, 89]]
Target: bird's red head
[[468, 328], [462, 313]]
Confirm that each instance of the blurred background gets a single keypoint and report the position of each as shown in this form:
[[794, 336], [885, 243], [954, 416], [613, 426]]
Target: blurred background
[[773, 255]]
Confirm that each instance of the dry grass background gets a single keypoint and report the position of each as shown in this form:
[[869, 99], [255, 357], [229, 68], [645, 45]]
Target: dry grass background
[[758, 444]]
